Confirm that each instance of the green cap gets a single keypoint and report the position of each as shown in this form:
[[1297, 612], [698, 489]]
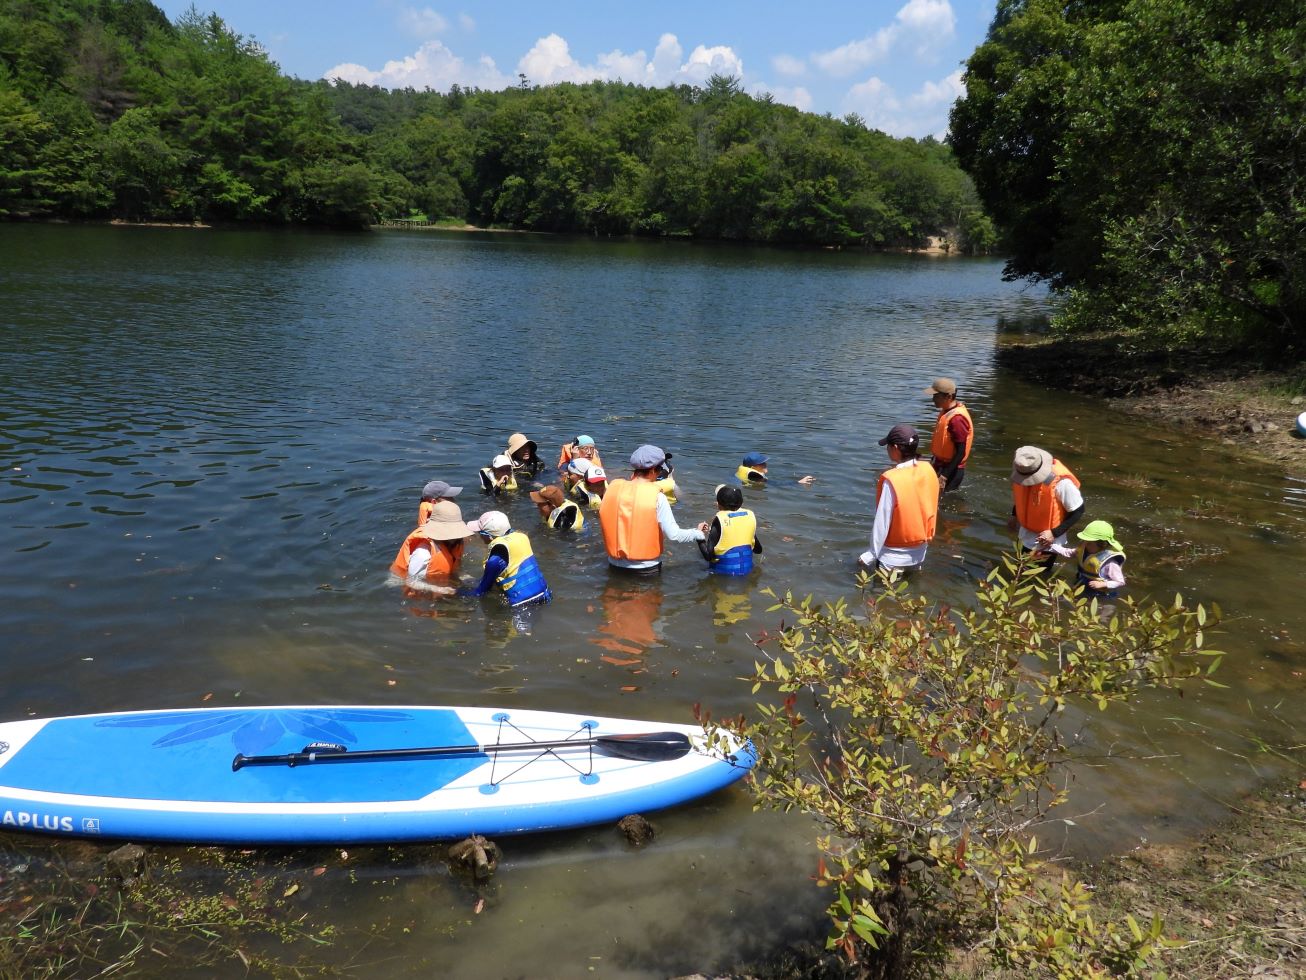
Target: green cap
[[1100, 531]]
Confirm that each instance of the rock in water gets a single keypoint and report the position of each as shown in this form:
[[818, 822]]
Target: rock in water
[[638, 831]]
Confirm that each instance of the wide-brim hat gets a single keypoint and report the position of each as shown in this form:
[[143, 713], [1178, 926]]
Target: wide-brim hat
[[1031, 466], [517, 441], [445, 523], [548, 495]]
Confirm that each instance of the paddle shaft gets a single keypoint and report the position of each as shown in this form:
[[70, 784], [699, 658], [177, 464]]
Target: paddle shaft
[[643, 747]]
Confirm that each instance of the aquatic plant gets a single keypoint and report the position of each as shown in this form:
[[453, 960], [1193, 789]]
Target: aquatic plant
[[927, 742]]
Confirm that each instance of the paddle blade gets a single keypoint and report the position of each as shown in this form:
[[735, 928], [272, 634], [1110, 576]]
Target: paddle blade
[[645, 747]]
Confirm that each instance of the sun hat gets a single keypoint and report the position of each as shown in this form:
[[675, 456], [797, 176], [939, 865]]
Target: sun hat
[[1100, 531], [584, 441], [900, 435], [942, 386], [595, 474], [548, 495], [445, 523], [1031, 466], [755, 459], [438, 488], [495, 523], [647, 457], [517, 441], [500, 461]]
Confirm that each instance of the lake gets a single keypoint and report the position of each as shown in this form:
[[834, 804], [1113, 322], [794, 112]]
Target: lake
[[213, 443]]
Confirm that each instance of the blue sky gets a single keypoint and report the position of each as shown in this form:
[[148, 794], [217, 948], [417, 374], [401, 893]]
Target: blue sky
[[896, 64]]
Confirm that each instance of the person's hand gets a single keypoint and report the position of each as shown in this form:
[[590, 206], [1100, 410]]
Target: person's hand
[[1098, 583], [943, 483], [703, 527], [807, 481], [1044, 538], [1012, 524]]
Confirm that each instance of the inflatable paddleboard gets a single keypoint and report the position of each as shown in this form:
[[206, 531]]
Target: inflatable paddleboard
[[312, 774]]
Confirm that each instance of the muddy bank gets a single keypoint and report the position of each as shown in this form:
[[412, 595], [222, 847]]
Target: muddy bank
[[1220, 394]]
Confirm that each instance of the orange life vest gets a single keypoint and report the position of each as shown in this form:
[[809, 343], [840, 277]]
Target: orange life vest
[[942, 446], [424, 511], [629, 518], [1037, 507], [569, 453], [916, 504], [445, 556]]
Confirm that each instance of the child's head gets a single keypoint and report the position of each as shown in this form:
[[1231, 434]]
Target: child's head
[[1097, 536], [501, 465], [729, 498], [756, 461]]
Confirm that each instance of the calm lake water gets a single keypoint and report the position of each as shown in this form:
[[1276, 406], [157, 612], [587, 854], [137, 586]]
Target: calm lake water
[[212, 444]]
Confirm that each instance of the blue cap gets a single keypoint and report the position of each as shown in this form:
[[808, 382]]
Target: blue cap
[[647, 458], [755, 459], [584, 441]]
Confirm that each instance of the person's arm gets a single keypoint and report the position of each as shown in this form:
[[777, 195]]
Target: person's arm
[[1112, 575], [707, 547], [672, 530], [418, 560], [880, 529], [1072, 502], [757, 545], [495, 565]]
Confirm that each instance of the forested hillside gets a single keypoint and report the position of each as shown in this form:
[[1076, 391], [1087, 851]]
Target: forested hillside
[[108, 110], [1148, 158]]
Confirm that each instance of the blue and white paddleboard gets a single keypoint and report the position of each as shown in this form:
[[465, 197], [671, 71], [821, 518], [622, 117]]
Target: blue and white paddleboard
[[302, 775]]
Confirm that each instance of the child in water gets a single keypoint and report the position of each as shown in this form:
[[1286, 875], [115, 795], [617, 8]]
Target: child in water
[[732, 538], [498, 476], [1100, 560]]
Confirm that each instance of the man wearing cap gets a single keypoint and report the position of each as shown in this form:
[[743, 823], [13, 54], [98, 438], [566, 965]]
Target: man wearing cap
[[636, 517], [430, 555], [511, 563], [434, 491], [1046, 502], [752, 469], [954, 433], [906, 506], [558, 512]]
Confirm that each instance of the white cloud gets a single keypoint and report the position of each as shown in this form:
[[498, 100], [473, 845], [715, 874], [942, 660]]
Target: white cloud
[[432, 66], [798, 97], [422, 23], [787, 64], [927, 22], [923, 113], [466, 22], [550, 61]]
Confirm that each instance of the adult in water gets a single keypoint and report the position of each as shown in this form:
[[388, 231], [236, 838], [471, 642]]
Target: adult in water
[[954, 434], [510, 565], [524, 455], [752, 469], [731, 539], [429, 556], [636, 517], [1046, 502], [906, 507], [432, 493], [582, 447]]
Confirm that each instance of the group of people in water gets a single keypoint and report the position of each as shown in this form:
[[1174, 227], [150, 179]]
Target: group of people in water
[[636, 518]]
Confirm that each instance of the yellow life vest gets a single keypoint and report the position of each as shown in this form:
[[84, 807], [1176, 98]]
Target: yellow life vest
[[746, 474], [522, 580], [489, 481], [666, 487], [568, 517]]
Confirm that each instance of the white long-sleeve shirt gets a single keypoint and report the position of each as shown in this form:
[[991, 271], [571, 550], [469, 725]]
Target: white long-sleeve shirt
[[879, 551]]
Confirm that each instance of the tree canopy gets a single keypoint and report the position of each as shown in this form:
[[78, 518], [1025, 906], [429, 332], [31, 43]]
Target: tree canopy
[[109, 110], [1147, 158]]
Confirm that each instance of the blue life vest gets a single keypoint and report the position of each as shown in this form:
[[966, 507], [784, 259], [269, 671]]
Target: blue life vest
[[522, 581], [733, 552], [1089, 568]]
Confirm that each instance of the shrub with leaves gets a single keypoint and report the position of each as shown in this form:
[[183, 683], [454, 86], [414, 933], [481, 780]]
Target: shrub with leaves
[[930, 744]]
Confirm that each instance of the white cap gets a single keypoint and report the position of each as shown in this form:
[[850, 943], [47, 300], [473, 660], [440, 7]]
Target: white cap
[[493, 522], [501, 460]]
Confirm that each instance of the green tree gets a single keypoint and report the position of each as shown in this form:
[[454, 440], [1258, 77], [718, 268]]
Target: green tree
[[927, 742]]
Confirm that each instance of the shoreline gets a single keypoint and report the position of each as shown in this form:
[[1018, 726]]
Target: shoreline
[[1223, 395]]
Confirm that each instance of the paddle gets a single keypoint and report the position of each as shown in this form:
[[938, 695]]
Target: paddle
[[641, 747]]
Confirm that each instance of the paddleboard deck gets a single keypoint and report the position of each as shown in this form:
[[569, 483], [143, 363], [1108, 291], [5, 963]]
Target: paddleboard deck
[[168, 775]]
